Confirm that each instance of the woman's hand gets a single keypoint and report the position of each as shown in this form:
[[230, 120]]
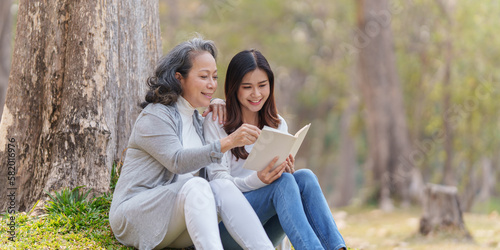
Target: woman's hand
[[218, 108], [246, 134], [268, 174], [290, 164]]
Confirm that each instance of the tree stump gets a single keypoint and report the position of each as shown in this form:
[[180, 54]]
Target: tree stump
[[442, 213]]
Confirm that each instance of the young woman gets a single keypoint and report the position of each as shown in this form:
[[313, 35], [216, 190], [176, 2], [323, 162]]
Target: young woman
[[286, 201], [157, 202]]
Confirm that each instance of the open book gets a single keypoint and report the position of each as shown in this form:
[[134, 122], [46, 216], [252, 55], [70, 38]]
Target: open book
[[272, 143]]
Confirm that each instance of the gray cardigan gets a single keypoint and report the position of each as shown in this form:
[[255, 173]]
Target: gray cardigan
[[144, 194]]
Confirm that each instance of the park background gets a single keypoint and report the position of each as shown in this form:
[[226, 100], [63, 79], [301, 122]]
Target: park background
[[399, 93]]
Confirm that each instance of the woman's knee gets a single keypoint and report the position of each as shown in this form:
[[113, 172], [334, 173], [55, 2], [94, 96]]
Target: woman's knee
[[197, 185], [198, 194], [306, 179], [222, 185], [286, 179], [197, 182], [305, 174]]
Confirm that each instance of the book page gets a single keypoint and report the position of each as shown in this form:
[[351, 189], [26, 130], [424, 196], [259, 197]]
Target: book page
[[300, 135], [269, 145]]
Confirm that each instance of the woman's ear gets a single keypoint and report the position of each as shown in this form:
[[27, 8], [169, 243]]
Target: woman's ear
[[178, 76]]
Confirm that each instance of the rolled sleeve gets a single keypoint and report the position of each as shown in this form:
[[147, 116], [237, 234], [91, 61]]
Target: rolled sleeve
[[216, 154]]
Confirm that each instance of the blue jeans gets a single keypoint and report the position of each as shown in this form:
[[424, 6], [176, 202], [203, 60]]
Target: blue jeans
[[295, 205]]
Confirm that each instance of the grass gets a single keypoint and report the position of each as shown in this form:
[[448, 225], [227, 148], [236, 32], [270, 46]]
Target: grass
[[72, 222], [86, 227], [75, 221], [365, 228], [488, 206]]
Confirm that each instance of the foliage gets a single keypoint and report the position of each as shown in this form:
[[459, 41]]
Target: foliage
[[316, 75], [67, 201], [73, 212], [73, 221], [114, 175]]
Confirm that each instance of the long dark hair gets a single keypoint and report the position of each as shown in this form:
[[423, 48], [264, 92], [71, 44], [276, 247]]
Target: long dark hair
[[163, 87], [242, 63]]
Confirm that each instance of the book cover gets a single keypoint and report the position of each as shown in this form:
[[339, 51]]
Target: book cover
[[272, 143]]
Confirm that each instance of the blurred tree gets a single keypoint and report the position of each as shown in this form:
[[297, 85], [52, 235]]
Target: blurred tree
[[5, 45], [304, 42], [447, 7], [346, 184], [430, 72], [385, 115], [79, 74]]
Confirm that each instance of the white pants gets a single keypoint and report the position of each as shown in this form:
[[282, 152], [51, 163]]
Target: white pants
[[238, 216], [194, 219]]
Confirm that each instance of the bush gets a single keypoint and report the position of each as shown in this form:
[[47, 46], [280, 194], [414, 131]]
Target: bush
[[66, 200]]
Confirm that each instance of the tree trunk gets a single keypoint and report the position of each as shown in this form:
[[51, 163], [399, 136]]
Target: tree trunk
[[73, 95], [448, 172], [486, 180], [388, 135], [5, 45], [346, 181], [442, 213], [496, 174]]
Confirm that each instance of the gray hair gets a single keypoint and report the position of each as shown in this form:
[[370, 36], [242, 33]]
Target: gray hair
[[163, 86]]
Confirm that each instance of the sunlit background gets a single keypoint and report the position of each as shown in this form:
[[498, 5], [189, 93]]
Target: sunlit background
[[446, 57], [312, 48], [446, 53]]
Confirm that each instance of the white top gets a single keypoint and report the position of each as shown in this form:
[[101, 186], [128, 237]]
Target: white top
[[190, 138], [230, 168]]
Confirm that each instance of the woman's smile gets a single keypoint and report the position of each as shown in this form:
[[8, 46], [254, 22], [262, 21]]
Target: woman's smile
[[256, 103], [207, 95], [253, 91]]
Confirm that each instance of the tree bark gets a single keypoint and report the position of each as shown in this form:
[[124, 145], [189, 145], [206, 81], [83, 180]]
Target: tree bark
[[5, 49], [442, 213], [388, 135], [448, 112], [346, 181], [73, 95], [471, 187], [496, 174]]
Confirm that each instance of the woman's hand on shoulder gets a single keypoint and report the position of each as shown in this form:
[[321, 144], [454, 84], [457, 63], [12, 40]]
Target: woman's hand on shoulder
[[268, 175], [246, 134], [218, 108]]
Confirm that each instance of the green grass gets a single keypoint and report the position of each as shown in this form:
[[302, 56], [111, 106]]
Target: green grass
[[364, 228], [487, 206], [73, 221], [70, 224]]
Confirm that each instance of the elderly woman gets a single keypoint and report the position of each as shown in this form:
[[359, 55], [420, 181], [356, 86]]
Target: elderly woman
[[158, 202]]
